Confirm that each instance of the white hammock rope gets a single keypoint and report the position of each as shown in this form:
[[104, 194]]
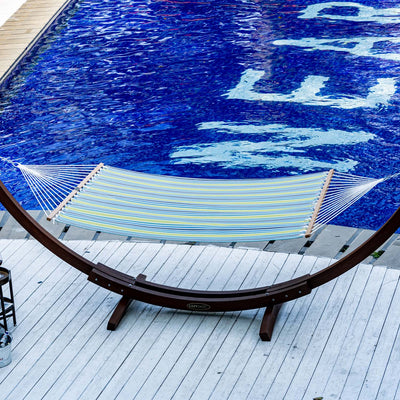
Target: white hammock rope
[[344, 191], [53, 185]]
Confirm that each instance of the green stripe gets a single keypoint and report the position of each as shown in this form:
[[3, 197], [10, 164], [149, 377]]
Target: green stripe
[[214, 182], [192, 186], [220, 194], [176, 208], [182, 216], [182, 235], [174, 222], [244, 203], [158, 206]]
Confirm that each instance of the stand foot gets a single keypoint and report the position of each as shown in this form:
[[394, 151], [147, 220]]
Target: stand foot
[[118, 313], [268, 322]]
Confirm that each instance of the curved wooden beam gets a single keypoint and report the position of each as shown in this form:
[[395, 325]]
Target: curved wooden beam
[[359, 254], [41, 234], [140, 289]]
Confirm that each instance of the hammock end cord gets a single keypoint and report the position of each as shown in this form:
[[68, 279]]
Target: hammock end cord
[[53, 184], [15, 164], [341, 192], [393, 176], [56, 211]]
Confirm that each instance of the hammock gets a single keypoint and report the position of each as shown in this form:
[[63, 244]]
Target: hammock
[[123, 202], [236, 198]]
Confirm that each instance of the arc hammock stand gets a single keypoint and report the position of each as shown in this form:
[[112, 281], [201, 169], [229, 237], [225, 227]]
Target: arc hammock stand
[[148, 205]]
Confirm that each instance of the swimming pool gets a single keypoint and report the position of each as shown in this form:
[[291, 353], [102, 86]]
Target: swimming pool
[[213, 89]]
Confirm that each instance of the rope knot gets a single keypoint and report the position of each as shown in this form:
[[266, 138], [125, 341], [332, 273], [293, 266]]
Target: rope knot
[[9, 161]]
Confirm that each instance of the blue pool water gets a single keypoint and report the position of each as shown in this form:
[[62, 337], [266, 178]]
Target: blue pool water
[[224, 89]]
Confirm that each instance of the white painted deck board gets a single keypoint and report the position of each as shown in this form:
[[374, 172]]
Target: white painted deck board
[[84, 323], [74, 380], [211, 279], [385, 347], [337, 334], [87, 340], [306, 366], [231, 372], [355, 334], [142, 319], [149, 386], [156, 335], [223, 356], [342, 340], [387, 388], [242, 326], [210, 352], [182, 367], [40, 352], [271, 362], [369, 342]]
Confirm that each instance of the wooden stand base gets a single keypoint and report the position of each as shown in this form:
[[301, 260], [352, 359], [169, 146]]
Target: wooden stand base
[[118, 313], [266, 328], [268, 322]]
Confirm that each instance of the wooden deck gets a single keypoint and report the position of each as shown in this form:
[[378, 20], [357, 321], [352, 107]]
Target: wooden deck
[[19, 32], [342, 341]]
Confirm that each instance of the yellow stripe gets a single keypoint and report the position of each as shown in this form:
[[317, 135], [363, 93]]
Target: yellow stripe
[[239, 188], [180, 208], [95, 185], [183, 235], [78, 201], [248, 203], [190, 181], [172, 222]]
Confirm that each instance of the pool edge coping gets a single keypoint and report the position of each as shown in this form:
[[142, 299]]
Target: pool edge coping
[[30, 43]]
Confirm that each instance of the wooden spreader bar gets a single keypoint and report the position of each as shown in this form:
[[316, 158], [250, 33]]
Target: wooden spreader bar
[[319, 203], [138, 288], [75, 191]]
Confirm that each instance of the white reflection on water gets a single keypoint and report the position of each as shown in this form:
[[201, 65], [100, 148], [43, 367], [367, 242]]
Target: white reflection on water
[[284, 149], [359, 46], [364, 13], [244, 154], [308, 92], [299, 137]]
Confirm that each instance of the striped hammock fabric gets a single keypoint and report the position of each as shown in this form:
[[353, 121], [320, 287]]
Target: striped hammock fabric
[[150, 206]]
